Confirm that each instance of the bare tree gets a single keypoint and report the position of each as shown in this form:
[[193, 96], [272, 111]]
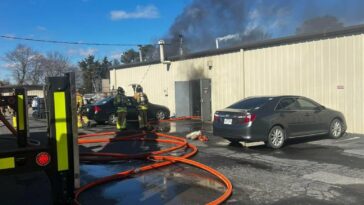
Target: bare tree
[[31, 67], [55, 64], [20, 60], [4, 82], [37, 72]]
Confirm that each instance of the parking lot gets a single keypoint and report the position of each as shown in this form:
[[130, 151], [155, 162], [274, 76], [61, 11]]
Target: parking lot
[[313, 170]]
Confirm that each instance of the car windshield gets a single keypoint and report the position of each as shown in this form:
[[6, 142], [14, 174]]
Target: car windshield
[[250, 103], [103, 101]]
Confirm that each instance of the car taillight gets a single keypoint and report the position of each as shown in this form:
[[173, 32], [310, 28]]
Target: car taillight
[[43, 159], [216, 117], [249, 118], [97, 109]]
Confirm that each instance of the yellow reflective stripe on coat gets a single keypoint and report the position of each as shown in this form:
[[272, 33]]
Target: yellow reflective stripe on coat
[[14, 122], [20, 111], [143, 107], [60, 116], [7, 163], [121, 109]]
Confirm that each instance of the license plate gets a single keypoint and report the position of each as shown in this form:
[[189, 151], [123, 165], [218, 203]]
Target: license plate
[[228, 121]]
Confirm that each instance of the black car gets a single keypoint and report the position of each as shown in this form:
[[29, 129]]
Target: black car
[[274, 119], [105, 111]]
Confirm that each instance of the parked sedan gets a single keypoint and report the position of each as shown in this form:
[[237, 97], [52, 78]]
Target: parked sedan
[[275, 119], [105, 111]]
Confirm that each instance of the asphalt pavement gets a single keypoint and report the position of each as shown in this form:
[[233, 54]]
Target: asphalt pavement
[[313, 170]]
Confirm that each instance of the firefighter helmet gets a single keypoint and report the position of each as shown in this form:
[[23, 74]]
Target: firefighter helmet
[[121, 90], [139, 89]]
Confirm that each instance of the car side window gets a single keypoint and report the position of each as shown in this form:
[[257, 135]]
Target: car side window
[[306, 104], [287, 104]]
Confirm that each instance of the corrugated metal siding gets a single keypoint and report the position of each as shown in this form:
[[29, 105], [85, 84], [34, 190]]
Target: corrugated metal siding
[[226, 78], [226, 74], [155, 80], [312, 68]]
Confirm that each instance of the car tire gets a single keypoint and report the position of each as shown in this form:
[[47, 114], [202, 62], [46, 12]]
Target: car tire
[[336, 129], [112, 119], [276, 137], [160, 115]]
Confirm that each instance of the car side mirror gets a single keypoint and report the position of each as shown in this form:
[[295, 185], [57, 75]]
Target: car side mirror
[[319, 108]]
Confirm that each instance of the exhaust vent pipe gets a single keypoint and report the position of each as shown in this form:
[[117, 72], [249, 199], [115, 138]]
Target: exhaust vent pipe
[[161, 52]]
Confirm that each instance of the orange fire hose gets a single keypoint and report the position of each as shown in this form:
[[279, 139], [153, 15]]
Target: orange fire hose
[[182, 118], [178, 119], [161, 160]]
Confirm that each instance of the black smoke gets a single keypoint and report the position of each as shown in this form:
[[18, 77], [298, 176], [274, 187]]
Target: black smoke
[[203, 21], [319, 24]]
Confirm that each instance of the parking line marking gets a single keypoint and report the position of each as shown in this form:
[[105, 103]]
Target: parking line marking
[[349, 139]]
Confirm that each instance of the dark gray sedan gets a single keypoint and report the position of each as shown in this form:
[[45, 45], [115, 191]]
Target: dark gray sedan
[[273, 119]]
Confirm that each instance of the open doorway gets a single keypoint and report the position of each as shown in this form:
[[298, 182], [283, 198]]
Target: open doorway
[[193, 98]]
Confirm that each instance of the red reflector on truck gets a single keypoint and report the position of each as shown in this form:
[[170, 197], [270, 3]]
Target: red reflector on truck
[[43, 159]]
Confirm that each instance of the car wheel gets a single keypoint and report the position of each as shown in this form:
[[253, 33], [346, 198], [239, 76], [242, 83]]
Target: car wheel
[[336, 129], [276, 137], [112, 119], [160, 115]]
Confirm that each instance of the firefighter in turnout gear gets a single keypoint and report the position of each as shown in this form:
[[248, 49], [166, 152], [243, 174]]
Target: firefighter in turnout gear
[[142, 101], [79, 103], [120, 102]]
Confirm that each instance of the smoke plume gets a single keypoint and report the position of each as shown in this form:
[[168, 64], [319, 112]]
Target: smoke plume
[[203, 21], [319, 24]]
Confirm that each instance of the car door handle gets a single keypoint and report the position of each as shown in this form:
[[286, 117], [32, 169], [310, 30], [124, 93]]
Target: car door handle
[[307, 114]]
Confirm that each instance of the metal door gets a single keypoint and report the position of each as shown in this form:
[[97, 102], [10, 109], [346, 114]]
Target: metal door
[[205, 86], [182, 97]]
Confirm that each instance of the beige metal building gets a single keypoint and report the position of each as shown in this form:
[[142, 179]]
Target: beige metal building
[[327, 67], [32, 90]]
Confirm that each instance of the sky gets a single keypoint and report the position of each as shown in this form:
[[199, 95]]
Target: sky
[[147, 21], [101, 21]]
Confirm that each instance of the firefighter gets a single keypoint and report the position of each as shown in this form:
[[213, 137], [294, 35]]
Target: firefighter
[[80, 103], [142, 101], [120, 102]]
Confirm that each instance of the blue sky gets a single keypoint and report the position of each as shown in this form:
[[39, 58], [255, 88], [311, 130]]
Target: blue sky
[[109, 21], [141, 22]]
